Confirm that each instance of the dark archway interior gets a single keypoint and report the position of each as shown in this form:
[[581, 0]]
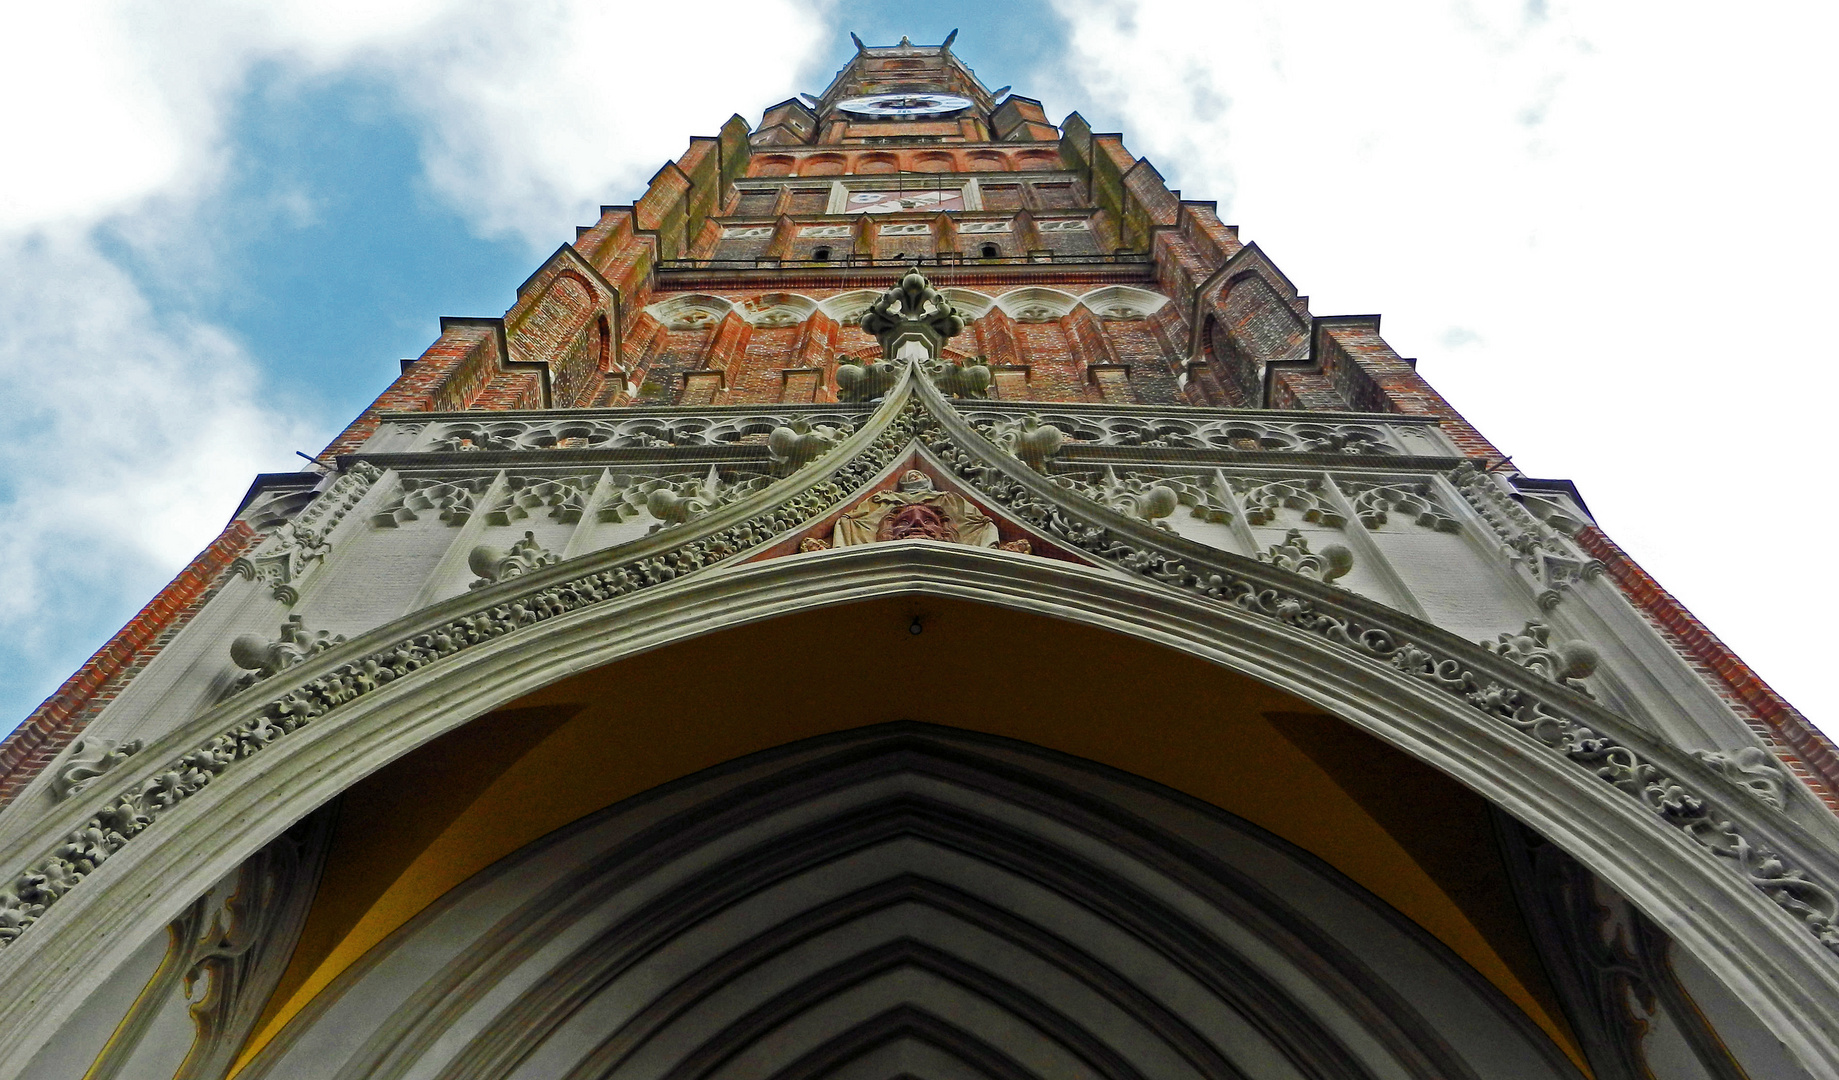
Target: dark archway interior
[[1405, 832]]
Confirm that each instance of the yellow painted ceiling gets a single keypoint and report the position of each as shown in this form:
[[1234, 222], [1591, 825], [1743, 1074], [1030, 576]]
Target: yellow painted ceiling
[[414, 830]]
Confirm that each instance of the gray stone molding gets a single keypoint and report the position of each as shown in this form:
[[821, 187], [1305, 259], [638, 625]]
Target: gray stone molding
[[304, 542], [1641, 814], [414, 1001]]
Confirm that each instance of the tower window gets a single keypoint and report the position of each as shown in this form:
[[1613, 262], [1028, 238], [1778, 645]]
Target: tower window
[[821, 254], [989, 251]]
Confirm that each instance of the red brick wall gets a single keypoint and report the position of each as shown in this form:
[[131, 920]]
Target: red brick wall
[[61, 718], [1809, 754]]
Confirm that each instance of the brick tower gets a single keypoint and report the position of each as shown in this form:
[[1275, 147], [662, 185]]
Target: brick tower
[[913, 596]]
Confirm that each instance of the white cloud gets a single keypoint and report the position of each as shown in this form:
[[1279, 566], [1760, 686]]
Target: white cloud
[[127, 433], [1603, 231]]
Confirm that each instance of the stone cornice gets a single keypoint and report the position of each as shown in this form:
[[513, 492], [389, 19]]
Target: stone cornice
[[1768, 853]]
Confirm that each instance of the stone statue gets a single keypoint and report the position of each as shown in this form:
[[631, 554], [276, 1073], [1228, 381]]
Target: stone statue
[[914, 510]]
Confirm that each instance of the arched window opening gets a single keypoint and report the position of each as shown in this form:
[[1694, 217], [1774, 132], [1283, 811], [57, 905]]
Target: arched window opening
[[821, 254], [990, 251]]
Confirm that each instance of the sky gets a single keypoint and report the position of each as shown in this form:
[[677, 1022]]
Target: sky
[[1605, 231]]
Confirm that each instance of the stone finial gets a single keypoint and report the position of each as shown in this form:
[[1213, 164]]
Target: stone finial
[[1294, 555], [1565, 662], [1028, 438], [494, 564], [262, 657], [912, 321]]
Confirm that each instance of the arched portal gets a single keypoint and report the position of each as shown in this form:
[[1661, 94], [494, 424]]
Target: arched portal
[[903, 899], [1163, 692]]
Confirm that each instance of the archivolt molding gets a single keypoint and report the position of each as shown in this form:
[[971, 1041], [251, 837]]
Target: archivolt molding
[[1445, 700], [802, 912], [1540, 711]]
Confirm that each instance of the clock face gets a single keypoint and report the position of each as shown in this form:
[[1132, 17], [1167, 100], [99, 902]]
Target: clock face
[[902, 106]]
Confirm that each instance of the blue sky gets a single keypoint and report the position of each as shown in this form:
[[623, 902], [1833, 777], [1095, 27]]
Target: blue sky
[[1602, 235]]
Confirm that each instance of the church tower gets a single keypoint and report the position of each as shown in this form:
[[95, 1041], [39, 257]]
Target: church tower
[[911, 596]]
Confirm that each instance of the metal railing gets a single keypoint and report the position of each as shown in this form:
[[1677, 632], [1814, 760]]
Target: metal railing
[[1039, 258]]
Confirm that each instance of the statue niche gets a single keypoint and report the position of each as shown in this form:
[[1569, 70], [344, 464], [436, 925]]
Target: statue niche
[[915, 510]]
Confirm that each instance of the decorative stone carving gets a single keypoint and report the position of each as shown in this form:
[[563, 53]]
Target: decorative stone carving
[[914, 510], [133, 811], [1566, 662], [1198, 429], [795, 445], [1204, 496], [564, 498], [1548, 560], [912, 321], [1751, 768], [858, 380], [812, 543], [966, 379], [263, 658], [1374, 503], [453, 500], [1814, 903], [1135, 495], [1020, 547], [1340, 439], [89, 758], [494, 564], [283, 559], [627, 427], [1294, 555], [675, 503], [1028, 439], [1544, 713], [225, 955], [1263, 498]]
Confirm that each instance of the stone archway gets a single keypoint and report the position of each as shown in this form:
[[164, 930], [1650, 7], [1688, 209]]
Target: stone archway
[[1779, 971]]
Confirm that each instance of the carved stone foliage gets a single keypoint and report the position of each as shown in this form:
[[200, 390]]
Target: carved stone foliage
[[1545, 713], [1294, 555], [1751, 768], [286, 556], [563, 498], [1027, 437], [494, 564], [131, 812], [865, 380], [89, 759], [1374, 504], [795, 445], [1549, 562], [1567, 662], [676, 500], [959, 379], [1230, 433], [264, 657], [1263, 498], [1543, 720], [453, 501], [628, 429], [912, 320], [225, 956], [1138, 495]]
